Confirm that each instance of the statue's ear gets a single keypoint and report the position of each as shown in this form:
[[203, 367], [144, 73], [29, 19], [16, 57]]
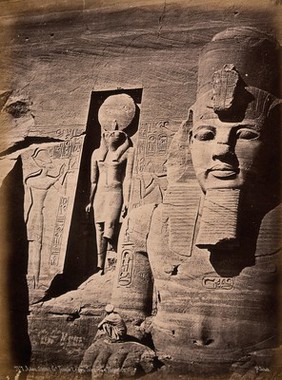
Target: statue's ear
[[273, 142], [275, 111], [274, 125], [189, 123], [274, 128]]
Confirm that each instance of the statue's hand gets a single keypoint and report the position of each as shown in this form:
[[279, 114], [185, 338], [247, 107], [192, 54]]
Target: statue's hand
[[88, 207], [124, 211], [121, 359]]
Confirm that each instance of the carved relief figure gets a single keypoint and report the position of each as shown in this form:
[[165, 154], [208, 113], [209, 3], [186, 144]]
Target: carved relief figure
[[217, 305], [111, 172], [149, 182], [50, 179], [38, 184]]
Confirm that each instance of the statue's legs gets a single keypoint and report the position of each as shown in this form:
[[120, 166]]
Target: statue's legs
[[101, 246], [34, 261], [109, 230]]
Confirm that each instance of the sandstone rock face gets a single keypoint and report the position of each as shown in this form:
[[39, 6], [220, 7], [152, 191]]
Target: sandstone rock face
[[120, 359], [50, 178], [206, 280]]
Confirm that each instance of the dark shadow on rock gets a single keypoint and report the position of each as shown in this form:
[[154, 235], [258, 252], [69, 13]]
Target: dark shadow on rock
[[13, 230]]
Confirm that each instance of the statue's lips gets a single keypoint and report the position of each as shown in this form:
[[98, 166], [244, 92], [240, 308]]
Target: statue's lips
[[224, 171]]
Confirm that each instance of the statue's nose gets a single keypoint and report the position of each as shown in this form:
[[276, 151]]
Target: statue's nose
[[223, 144], [221, 149]]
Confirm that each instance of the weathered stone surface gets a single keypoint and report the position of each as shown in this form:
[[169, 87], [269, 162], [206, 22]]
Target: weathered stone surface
[[89, 299], [124, 359], [69, 320], [115, 48], [60, 343], [50, 178], [15, 117], [57, 59]]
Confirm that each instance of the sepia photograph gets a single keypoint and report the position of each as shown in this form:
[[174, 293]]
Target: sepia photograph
[[140, 189]]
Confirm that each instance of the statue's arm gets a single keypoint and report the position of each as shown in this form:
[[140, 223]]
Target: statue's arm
[[107, 319], [93, 180], [123, 147], [127, 180], [101, 324]]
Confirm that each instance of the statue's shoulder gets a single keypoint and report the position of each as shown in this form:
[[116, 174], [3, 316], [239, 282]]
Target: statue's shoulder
[[95, 153], [130, 151], [269, 237]]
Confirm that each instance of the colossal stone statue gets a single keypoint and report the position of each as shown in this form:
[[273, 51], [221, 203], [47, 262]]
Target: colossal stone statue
[[111, 171], [215, 276]]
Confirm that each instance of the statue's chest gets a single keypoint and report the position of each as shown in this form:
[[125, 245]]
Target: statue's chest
[[202, 276]]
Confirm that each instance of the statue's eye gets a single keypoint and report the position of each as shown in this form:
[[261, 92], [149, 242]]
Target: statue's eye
[[247, 134], [204, 134]]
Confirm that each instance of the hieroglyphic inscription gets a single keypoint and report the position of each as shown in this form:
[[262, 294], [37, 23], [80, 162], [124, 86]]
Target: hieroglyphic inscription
[[58, 231], [162, 143], [151, 147], [69, 151], [150, 170], [63, 133], [215, 283], [69, 133], [66, 149], [154, 139], [125, 273]]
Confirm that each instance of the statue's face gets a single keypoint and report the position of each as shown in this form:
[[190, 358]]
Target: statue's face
[[114, 137], [225, 154]]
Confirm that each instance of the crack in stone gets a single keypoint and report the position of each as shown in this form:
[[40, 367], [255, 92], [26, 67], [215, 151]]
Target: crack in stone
[[26, 143], [161, 18]]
